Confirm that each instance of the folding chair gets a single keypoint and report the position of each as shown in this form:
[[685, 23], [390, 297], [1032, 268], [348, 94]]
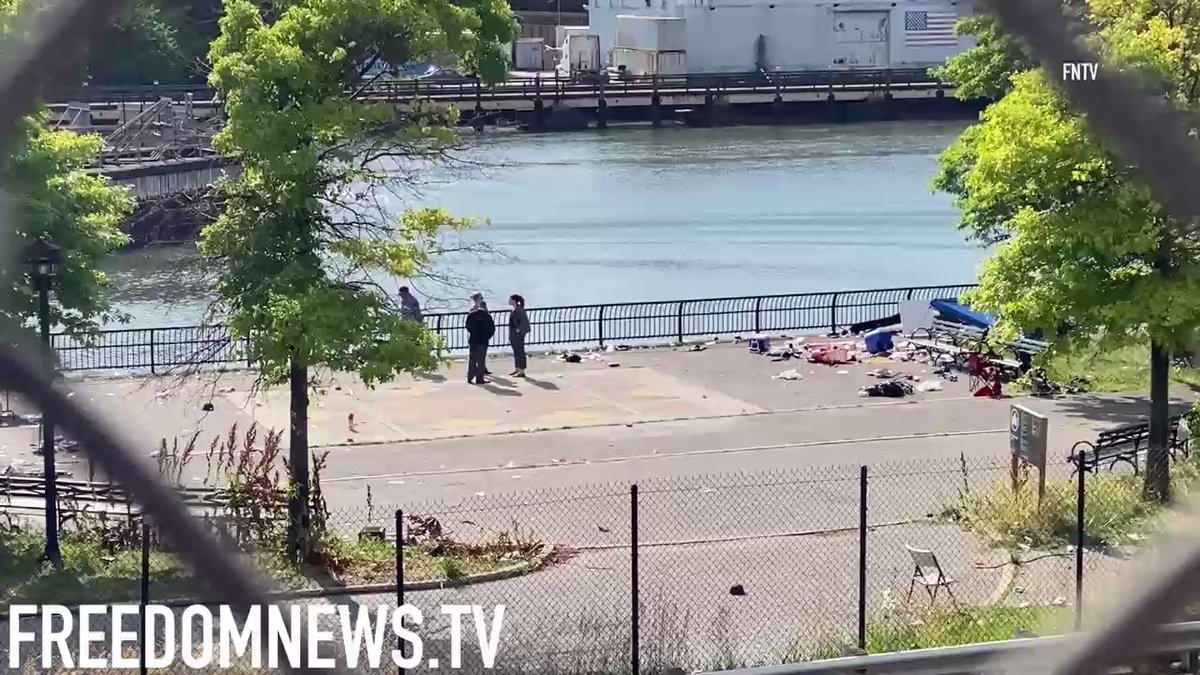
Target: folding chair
[[927, 572]]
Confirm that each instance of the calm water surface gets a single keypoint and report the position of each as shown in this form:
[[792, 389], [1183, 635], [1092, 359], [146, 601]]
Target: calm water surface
[[642, 214]]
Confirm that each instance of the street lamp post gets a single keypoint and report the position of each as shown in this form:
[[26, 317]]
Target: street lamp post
[[43, 258]]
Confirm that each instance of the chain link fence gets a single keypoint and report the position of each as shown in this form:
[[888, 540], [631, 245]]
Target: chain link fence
[[702, 572]]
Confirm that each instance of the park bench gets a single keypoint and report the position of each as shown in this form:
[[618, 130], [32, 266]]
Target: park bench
[[1123, 444]]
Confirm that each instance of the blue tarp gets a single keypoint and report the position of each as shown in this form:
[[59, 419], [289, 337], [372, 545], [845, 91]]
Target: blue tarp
[[960, 313]]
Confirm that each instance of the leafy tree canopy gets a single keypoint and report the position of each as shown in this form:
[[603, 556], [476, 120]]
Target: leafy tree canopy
[[306, 246], [55, 198], [1079, 237]]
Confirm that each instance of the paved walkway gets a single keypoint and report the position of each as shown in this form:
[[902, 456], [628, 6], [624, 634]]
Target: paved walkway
[[744, 479]]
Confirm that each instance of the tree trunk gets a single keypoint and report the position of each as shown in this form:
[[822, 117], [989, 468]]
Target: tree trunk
[[1158, 457], [299, 539]]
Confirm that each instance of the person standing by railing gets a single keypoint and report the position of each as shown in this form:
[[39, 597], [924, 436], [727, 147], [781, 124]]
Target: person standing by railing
[[410, 307], [480, 329], [518, 328]]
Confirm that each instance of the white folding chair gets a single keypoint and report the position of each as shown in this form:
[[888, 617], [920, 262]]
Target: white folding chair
[[928, 573]]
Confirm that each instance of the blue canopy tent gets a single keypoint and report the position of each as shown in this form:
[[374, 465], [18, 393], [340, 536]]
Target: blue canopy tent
[[959, 313]]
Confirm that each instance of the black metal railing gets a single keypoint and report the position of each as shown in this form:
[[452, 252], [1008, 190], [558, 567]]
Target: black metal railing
[[465, 87], [577, 326]]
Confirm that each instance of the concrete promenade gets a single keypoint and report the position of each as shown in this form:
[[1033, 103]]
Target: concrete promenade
[[744, 479], [623, 416]]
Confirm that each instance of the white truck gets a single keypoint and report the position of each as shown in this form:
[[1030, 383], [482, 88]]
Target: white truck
[[580, 57]]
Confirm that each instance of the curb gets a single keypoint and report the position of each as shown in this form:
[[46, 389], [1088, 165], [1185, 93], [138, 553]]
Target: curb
[[539, 562]]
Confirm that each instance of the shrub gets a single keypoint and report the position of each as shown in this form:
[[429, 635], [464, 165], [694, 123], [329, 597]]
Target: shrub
[[1115, 512]]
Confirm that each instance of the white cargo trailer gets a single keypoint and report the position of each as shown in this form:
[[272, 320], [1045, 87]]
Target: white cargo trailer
[[528, 54], [580, 55], [653, 33], [784, 35], [642, 62]]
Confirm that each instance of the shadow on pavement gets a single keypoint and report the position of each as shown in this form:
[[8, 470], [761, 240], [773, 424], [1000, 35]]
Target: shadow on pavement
[[1115, 410], [542, 384]]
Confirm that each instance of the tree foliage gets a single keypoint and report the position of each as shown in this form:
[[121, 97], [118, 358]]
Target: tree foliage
[[307, 244], [986, 69], [54, 197], [1080, 240]]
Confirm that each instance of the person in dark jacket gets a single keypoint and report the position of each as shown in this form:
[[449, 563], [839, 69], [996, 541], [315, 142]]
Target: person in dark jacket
[[518, 328], [480, 329]]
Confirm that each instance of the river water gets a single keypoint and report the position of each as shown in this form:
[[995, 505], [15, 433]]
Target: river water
[[644, 214]]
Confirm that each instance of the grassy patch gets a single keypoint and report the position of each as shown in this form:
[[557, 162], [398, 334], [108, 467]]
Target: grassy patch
[[947, 626], [92, 574], [1114, 511], [1117, 370]]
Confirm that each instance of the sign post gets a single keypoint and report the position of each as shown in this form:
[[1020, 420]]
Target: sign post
[[1027, 441]]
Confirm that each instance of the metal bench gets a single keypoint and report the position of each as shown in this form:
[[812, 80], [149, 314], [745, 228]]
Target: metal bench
[[1123, 444]]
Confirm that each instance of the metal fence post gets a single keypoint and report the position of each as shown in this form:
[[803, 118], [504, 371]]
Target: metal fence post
[[679, 317], [633, 578], [400, 573], [757, 313], [152, 351], [600, 325], [143, 634], [1081, 483], [862, 558], [833, 314]]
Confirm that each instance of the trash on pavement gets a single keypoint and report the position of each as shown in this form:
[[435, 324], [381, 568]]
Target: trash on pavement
[[889, 389], [571, 357], [879, 341], [760, 344], [697, 348], [792, 374], [930, 385]]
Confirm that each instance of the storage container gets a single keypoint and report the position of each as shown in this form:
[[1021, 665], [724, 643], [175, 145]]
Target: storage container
[[528, 54]]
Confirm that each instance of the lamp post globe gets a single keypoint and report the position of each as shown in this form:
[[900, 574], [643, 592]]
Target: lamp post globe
[[43, 258]]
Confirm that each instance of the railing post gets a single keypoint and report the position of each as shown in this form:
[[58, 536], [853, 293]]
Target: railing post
[[757, 314], [438, 329], [862, 558], [1081, 483], [143, 635], [679, 316], [833, 314], [634, 642], [600, 325], [152, 351], [400, 572]]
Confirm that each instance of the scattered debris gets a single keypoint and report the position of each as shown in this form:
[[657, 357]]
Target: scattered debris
[[930, 385], [792, 374], [760, 344], [882, 373], [697, 348], [889, 389], [737, 589], [571, 357], [207, 407]]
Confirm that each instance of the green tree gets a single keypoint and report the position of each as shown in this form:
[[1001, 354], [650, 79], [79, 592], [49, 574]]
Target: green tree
[[1080, 240], [55, 198], [141, 48], [986, 69], [306, 248]]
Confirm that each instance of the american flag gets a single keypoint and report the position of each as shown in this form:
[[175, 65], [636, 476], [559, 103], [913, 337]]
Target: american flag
[[930, 29]]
